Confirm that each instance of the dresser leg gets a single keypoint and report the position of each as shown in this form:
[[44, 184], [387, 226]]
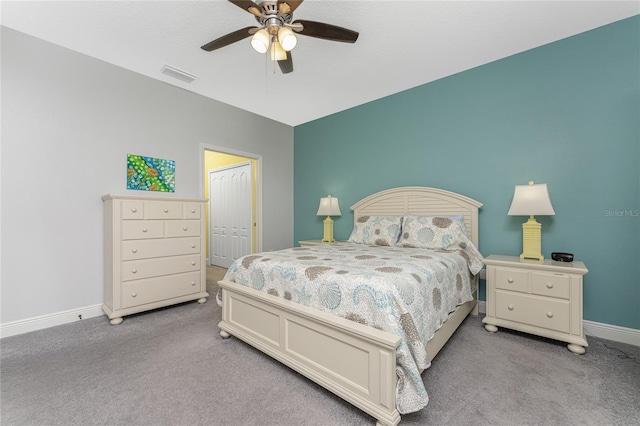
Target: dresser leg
[[490, 328], [576, 349], [224, 334], [202, 300], [116, 321]]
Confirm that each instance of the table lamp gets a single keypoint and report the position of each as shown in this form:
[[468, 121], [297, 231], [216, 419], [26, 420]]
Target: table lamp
[[530, 200], [328, 207]]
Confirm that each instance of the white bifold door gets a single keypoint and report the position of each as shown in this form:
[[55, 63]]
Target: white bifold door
[[230, 213]]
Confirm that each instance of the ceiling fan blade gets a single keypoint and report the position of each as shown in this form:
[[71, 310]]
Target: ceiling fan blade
[[288, 6], [249, 6], [327, 31], [228, 39], [286, 65]]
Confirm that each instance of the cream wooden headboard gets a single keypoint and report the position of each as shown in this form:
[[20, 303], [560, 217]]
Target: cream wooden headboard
[[420, 200]]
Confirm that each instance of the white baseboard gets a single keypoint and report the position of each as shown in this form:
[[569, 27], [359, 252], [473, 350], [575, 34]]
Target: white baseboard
[[616, 333], [630, 336], [50, 320]]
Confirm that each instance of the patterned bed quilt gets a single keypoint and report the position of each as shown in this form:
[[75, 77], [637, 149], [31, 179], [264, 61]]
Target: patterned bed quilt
[[408, 292]]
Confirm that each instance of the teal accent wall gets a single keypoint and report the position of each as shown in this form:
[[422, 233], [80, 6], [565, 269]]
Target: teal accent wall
[[566, 114]]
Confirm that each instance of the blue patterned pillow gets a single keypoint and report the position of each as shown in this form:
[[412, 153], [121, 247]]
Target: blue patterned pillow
[[376, 230], [432, 232]]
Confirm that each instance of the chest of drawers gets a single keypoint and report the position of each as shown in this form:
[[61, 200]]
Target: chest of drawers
[[154, 253], [537, 297]]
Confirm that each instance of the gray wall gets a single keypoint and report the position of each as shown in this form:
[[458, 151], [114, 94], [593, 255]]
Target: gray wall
[[68, 123]]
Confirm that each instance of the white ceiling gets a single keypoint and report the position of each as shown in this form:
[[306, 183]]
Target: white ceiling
[[402, 44]]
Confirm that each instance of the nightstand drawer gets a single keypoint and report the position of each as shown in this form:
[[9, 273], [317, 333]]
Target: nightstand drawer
[[511, 279], [540, 312], [548, 284]]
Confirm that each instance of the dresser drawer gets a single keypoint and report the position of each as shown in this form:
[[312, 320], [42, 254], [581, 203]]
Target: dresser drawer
[[191, 210], [549, 284], [182, 228], [162, 288], [537, 311], [141, 229], [512, 279], [132, 209], [139, 269], [162, 210], [144, 249]]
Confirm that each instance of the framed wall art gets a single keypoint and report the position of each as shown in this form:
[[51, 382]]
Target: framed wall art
[[150, 174]]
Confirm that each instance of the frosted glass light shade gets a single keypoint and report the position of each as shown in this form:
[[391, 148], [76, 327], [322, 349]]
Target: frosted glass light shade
[[277, 52], [531, 200], [260, 41], [329, 206], [287, 39]]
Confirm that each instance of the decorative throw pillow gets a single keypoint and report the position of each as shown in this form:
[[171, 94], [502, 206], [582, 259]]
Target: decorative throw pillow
[[432, 232], [376, 230]]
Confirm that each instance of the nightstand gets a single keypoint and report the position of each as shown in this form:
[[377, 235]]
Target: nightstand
[[537, 297], [308, 243]]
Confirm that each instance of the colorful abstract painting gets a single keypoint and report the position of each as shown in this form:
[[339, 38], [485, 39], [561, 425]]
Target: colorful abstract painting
[[150, 174]]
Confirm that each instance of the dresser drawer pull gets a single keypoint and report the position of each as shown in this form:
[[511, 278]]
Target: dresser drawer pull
[[510, 280], [165, 210], [184, 228], [144, 229], [134, 271], [510, 307], [549, 314], [193, 246], [549, 285], [193, 262], [134, 250], [134, 210], [134, 294], [193, 283], [193, 210]]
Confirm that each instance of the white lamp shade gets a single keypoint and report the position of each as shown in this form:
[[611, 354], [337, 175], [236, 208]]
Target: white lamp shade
[[287, 39], [260, 41], [329, 206], [531, 200]]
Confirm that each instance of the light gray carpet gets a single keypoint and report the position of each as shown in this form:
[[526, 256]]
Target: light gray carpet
[[170, 367]]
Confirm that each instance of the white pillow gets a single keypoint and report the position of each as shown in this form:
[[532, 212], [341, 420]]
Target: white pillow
[[376, 230]]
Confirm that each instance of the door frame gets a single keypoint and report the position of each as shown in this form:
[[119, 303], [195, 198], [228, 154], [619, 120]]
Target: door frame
[[258, 184]]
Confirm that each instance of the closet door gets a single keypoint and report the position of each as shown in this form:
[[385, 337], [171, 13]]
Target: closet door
[[230, 207]]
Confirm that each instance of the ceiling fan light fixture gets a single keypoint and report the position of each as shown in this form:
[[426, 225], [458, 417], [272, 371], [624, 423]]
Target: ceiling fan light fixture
[[277, 52], [260, 41], [287, 39]]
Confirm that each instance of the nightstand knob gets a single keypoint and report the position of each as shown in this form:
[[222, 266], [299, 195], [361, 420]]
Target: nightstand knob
[[134, 270], [549, 314], [134, 250], [166, 210], [549, 285], [134, 210], [184, 228], [193, 283], [510, 307], [510, 280], [134, 294], [193, 246], [144, 229], [193, 210], [193, 262]]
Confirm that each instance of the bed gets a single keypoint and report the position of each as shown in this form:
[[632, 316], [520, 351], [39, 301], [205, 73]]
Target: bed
[[358, 362]]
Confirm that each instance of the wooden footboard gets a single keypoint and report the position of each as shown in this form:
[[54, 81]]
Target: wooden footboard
[[356, 362]]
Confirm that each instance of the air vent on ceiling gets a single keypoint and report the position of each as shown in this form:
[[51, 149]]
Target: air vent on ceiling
[[176, 73]]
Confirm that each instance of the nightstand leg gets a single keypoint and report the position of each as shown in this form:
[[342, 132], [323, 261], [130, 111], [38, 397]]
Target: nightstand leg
[[576, 349], [491, 328]]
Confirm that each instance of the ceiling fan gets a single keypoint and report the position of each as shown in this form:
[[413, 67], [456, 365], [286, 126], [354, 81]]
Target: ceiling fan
[[276, 31]]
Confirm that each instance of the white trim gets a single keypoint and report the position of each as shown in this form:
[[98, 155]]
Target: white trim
[[50, 320], [630, 336], [258, 158]]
